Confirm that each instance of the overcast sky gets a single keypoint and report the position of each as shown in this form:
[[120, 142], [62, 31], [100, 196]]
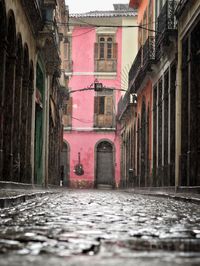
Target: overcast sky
[[81, 6]]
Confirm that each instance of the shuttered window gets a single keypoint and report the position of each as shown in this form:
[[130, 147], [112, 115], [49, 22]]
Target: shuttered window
[[103, 111], [105, 54]]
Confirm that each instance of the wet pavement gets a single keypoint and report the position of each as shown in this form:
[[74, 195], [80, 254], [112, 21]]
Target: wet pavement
[[93, 227]]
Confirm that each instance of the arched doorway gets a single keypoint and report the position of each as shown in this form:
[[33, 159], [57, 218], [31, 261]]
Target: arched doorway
[[17, 109], [64, 163], [3, 33], [39, 119], [9, 98], [24, 113], [143, 144], [105, 164]]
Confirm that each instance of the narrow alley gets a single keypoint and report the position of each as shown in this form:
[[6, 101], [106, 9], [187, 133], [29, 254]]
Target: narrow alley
[[88, 227]]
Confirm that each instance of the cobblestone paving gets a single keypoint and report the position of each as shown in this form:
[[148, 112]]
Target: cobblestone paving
[[91, 227]]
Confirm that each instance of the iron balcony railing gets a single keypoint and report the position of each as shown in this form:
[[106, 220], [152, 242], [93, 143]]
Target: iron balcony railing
[[135, 68], [33, 10], [109, 65], [142, 63], [123, 103], [148, 53], [166, 20]]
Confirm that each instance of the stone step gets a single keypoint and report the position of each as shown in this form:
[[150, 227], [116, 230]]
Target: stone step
[[104, 186]]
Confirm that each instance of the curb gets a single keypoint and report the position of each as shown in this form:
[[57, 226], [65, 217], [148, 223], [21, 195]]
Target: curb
[[15, 200], [169, 196]]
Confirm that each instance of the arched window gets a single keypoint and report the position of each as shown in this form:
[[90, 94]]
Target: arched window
[[106, 47]]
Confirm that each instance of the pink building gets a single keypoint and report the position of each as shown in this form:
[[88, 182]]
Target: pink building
[[93, 57]]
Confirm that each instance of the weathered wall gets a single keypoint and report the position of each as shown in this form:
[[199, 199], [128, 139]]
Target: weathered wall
[[83, 138]]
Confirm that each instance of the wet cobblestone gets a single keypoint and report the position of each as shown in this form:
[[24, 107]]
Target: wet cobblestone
[[100, 228]]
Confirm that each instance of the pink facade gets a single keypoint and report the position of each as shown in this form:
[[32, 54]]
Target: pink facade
[[82, 137]]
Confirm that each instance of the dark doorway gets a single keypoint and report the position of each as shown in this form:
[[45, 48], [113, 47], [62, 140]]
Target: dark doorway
[[65, 164]]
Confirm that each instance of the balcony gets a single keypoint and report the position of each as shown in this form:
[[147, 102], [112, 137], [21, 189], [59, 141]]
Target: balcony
[[104, 121], [166, 25], [124, 103], [148, 53], [142, 64], [135, 68], [33, 11], [105, 65], [68, 65]]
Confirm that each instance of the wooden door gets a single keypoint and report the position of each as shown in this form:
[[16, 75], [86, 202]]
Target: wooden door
[[105, 166]]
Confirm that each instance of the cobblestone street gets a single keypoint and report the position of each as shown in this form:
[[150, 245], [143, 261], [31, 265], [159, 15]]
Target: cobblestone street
[[88, 227]]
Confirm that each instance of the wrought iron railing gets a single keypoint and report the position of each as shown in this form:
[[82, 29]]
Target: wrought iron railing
[[123, 103], [33, 10], [109, 65], [148, 52], [142, 63], [166, 19], [135, 68]]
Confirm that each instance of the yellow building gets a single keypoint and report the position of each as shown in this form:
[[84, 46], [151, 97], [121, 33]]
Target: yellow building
[[29, 68]]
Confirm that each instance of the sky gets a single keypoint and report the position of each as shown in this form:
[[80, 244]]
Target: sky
[[81, 6]]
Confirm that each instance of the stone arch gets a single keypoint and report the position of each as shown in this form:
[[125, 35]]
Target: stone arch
[[8, 126], [17, 108], [24, 113], [104, 163], [143, 144], [65, 161]]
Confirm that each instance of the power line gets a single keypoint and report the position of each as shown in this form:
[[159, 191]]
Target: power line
[[83, 121], [83, 33], [112, 26]]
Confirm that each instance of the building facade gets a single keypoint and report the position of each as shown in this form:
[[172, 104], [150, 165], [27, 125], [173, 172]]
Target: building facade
[[30, 62], [96, 60], [152, 78], [188, 95], [161, 107]]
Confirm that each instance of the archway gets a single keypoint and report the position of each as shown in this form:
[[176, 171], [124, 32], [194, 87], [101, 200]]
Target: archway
[[29, 123], [24, 114], [3, 33], [105, 164], [17, 109], [40, 90], [9, 98], [143, 144], [65, 163]]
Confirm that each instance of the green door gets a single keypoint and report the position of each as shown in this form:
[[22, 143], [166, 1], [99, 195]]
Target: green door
[[38, 178]]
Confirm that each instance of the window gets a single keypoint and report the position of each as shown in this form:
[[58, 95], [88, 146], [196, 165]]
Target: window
[[67, 54], [150, 17], [105, 47], [103, 110], [67, 113], [105, 54]]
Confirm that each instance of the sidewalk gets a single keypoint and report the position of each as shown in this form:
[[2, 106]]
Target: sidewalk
[[182, 195], [12, 194], [15, 193]]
